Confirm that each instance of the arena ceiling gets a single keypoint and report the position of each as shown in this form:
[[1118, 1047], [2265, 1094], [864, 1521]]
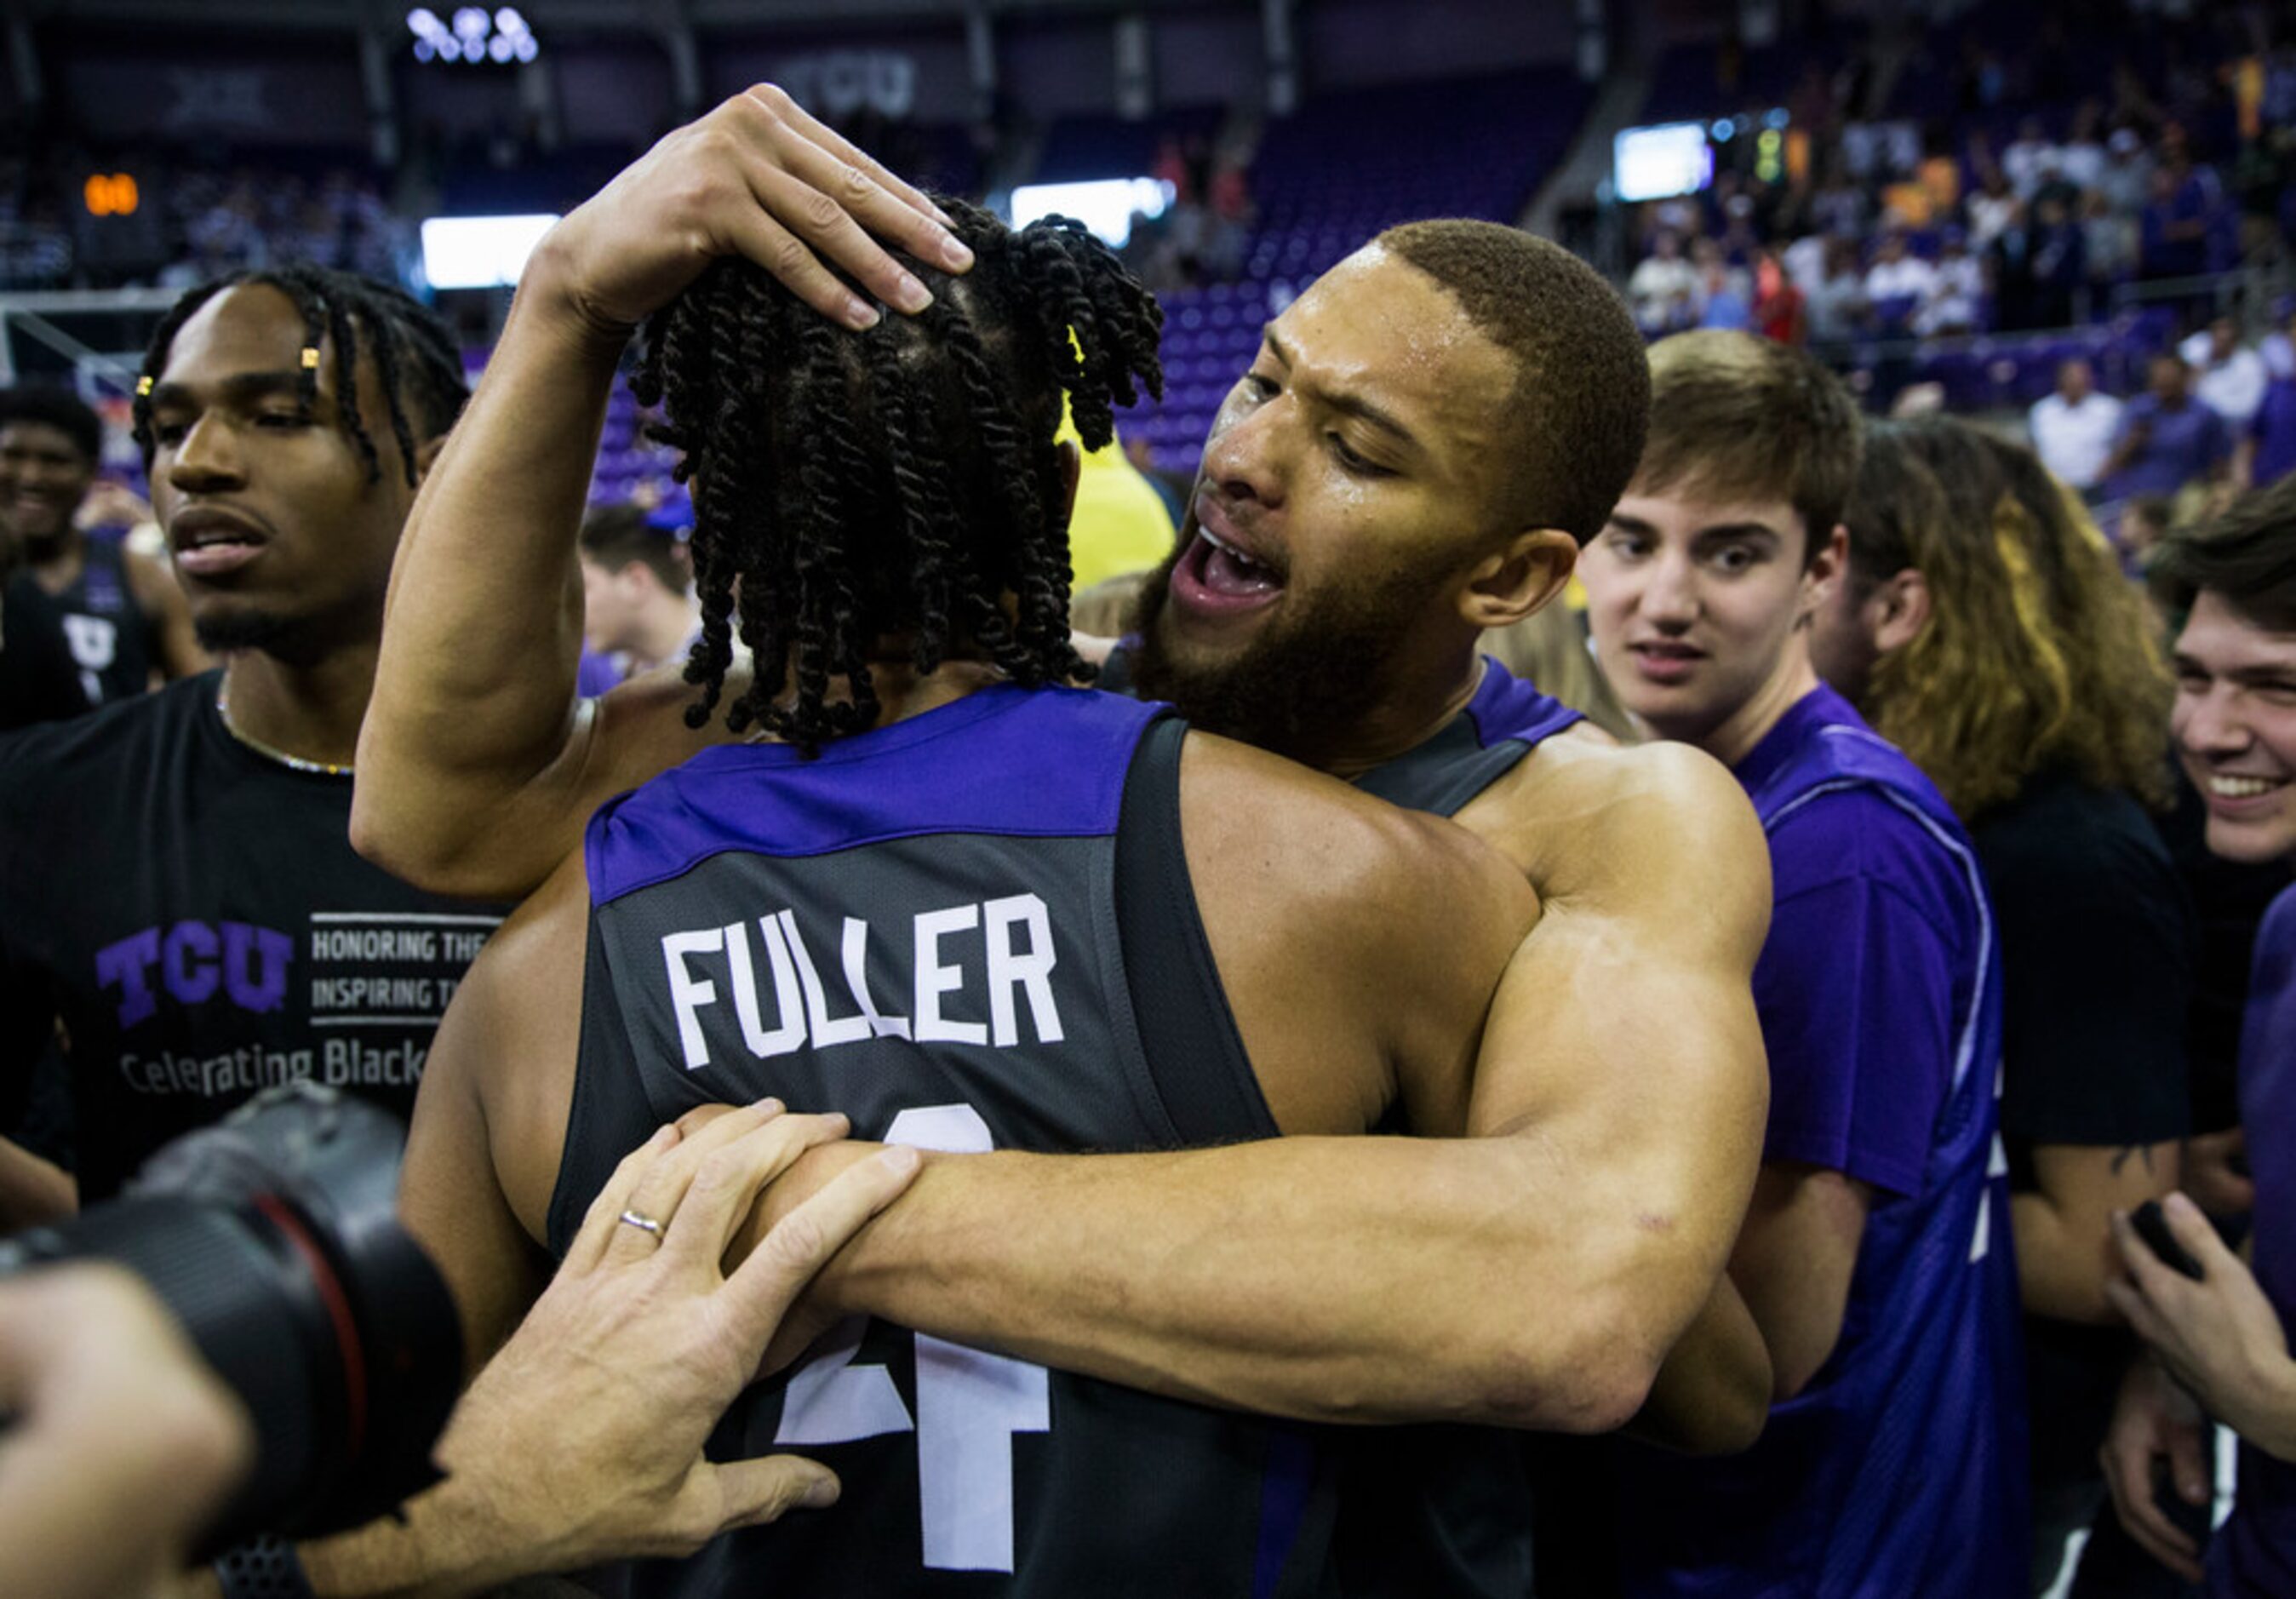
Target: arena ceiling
[[589, 17]]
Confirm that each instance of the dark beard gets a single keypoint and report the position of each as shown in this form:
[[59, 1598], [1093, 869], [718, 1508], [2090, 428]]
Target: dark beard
[[226, 632], [1302, 687]]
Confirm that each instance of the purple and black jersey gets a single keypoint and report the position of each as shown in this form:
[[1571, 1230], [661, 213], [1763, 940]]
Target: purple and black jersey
[[1901, 1469], [1435, 1510], [974, 929], [1505, 720], [2255, 1552]]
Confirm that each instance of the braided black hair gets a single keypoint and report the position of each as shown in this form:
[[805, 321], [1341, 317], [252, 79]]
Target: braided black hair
[[416, 354], [905, 480]]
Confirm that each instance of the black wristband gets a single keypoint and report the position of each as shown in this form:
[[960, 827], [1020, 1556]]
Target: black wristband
[[263, 1568]]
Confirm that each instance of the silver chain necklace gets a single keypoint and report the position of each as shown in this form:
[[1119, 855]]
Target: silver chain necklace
[[293, 763]]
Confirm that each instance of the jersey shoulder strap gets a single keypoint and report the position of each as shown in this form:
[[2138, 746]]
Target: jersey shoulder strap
[[1505, 720]]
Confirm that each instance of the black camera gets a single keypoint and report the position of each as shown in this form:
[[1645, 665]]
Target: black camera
[[273, 1238]]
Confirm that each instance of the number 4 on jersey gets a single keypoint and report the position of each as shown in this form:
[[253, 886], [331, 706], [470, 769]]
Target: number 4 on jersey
[[969, 1404]]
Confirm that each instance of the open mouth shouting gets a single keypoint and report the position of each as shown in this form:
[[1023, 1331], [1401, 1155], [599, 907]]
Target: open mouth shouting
[[1221, 573]]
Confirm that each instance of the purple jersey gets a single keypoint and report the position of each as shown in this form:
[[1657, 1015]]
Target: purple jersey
[[595, 674], [1900, 1470], [1505, 720], [2274, 430], [2256, 1551], [2180, 447]]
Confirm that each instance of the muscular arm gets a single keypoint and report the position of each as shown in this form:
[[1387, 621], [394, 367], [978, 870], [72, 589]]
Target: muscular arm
[[1793, 1263], [477, 766], [1713, 1393], [1533, 1274], [2064, 1227], [473, 739]]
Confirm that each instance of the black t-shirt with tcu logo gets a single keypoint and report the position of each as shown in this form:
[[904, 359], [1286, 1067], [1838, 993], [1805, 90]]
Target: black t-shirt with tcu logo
[[194, 914]]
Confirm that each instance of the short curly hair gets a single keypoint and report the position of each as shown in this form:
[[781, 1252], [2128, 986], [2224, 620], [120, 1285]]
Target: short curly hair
[[1574, 420]]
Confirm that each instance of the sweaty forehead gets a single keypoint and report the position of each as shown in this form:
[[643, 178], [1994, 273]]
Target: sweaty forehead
[[1378, 328]]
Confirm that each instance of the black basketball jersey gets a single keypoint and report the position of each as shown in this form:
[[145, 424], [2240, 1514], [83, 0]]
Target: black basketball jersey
[[1436, 1510], [111, 638], [971, 930], [1505, 720]]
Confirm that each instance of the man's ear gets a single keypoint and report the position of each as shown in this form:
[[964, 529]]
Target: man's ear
[[1825, 572], [426, 457], [1520, 578], [1071, 464], [1898, 611]]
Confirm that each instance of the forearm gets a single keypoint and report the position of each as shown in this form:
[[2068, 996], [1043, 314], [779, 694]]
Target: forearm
[[442, 1547], [2061, 1268], [2063, 1225], [1329, 1279], [2273, 1428], [474, 695], [1713, 1393]]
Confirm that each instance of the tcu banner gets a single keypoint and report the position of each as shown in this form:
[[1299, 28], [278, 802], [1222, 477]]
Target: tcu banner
[[841, 82]]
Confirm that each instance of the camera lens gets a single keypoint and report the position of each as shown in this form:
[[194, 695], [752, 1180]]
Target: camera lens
[[273, 1239]]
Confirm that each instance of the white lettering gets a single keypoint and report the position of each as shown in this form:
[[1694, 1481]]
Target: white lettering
[[688, 993], [827, 1030], [1007, 970], [970, 1403], [788, 1035], [934, 979], [1016, 957], [857, 981], [242, 1070]]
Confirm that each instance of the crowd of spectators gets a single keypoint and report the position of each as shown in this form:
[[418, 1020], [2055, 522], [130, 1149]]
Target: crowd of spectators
[[198, 220], [1203, 232], [2217, 414], [1860, 223]]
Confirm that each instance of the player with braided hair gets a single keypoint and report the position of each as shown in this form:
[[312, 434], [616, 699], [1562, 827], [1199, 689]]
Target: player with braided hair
[[184, 852], [931, 554], [416, 357], [974, 920]]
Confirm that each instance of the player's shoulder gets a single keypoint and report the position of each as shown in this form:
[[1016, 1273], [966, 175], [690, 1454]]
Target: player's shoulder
[[1327, 850], [1584, 818], [536, 935]]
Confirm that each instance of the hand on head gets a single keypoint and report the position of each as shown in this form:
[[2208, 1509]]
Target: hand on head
[[758, 177]]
